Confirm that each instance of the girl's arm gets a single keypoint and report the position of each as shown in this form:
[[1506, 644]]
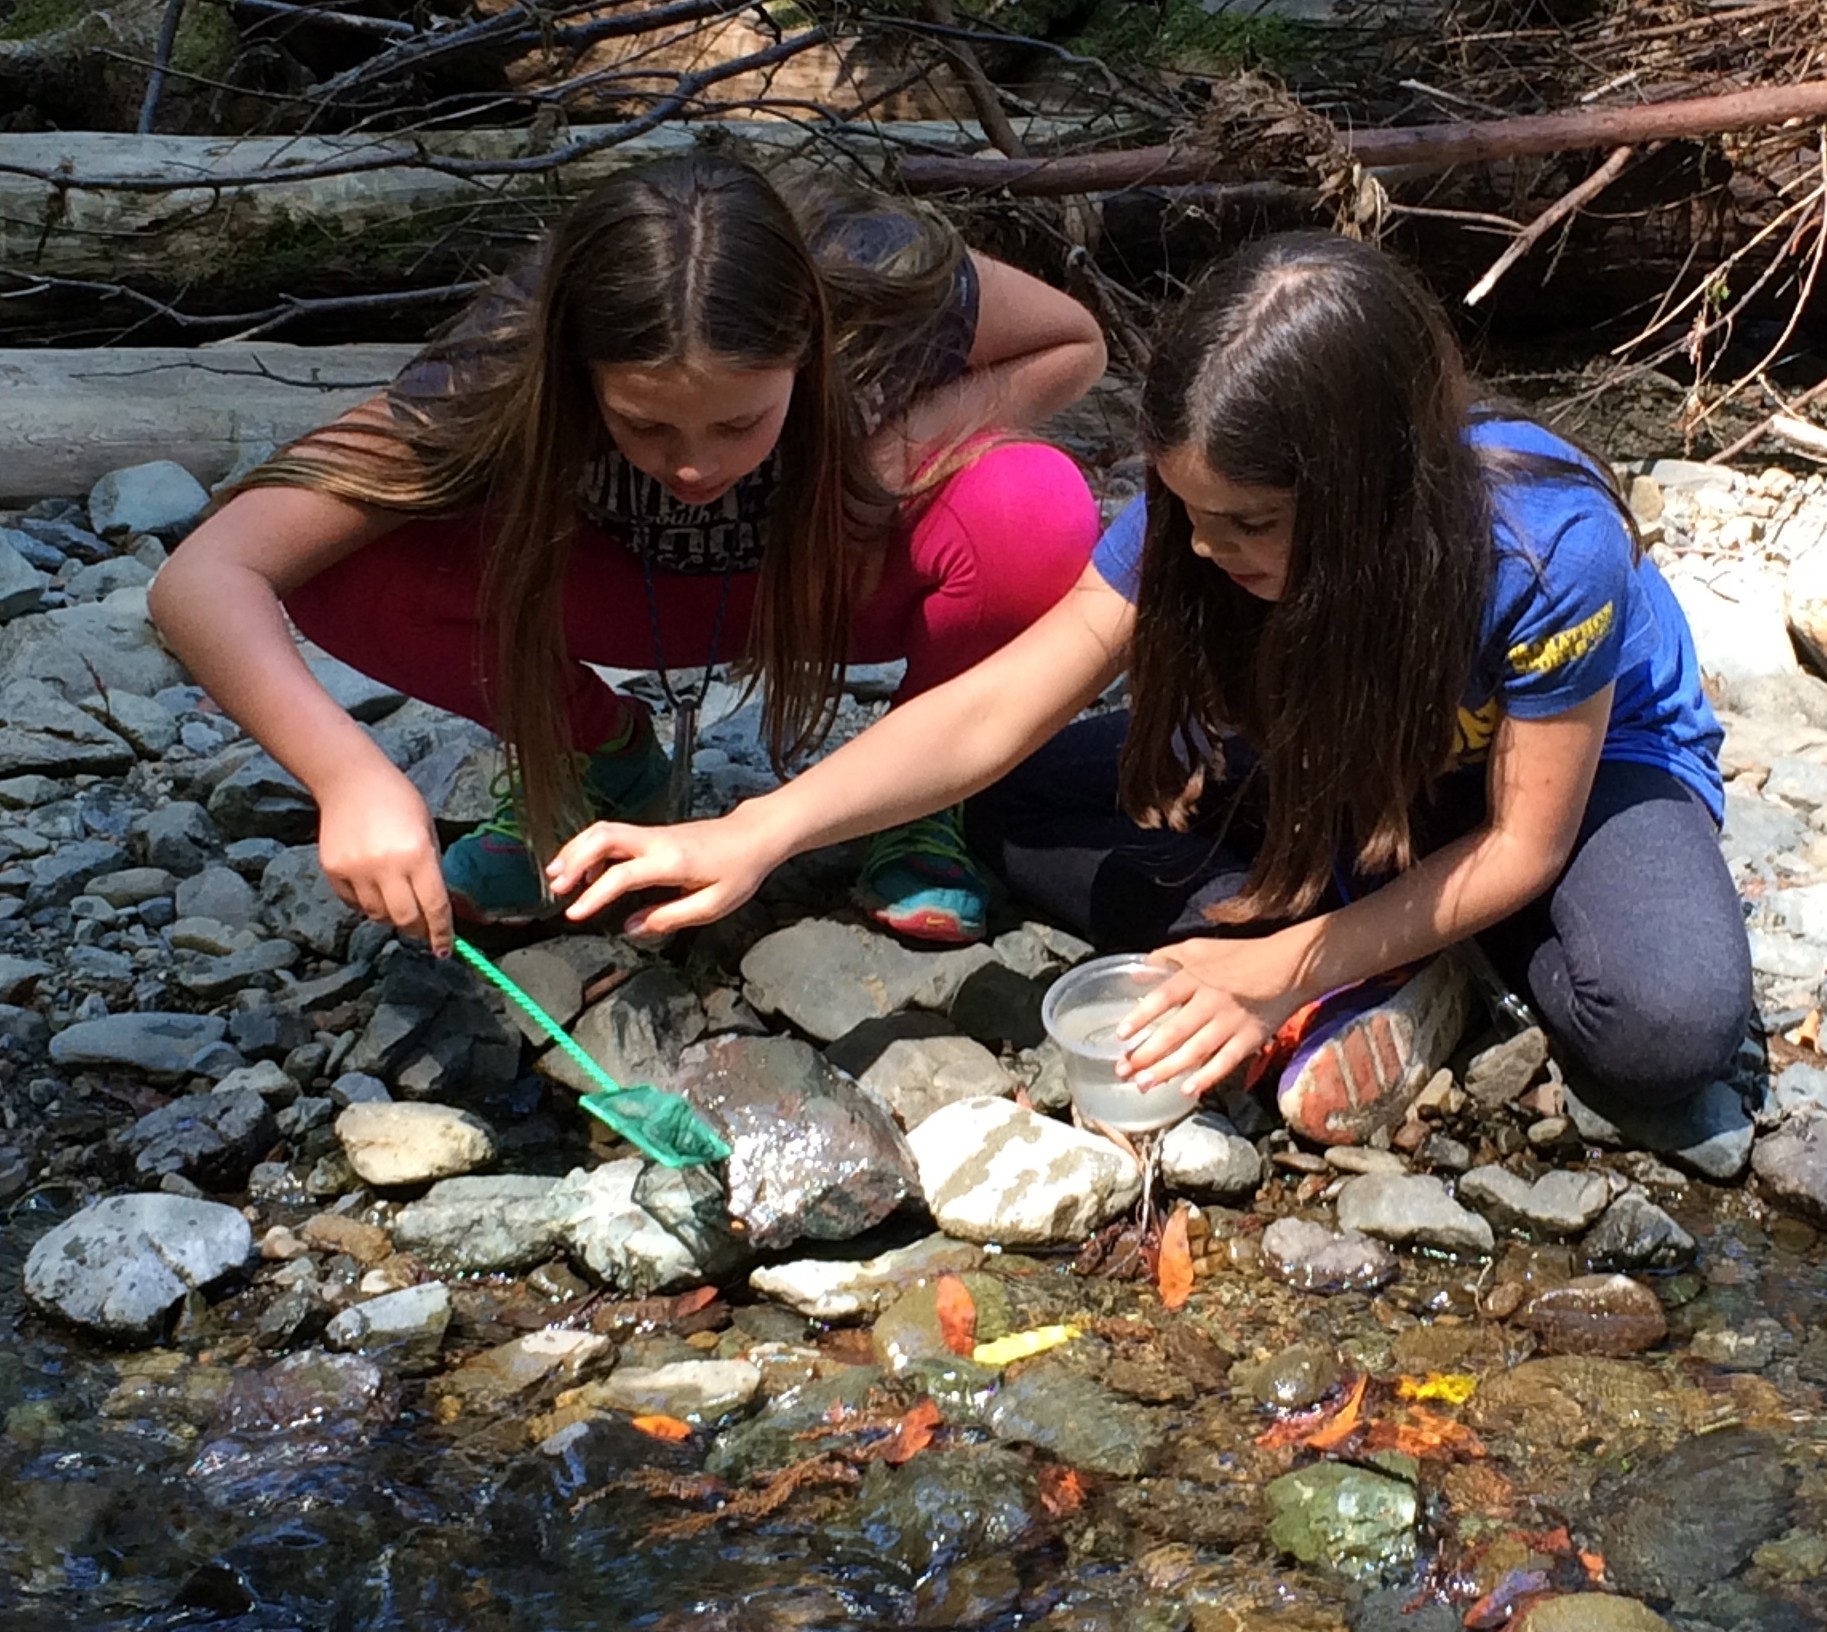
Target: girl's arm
[[217, 603], [1035, 352], [929, 752], [1230, 996]]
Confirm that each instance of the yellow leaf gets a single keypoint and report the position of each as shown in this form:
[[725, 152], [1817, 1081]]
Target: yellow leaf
[[1454, 1387], [1020, 1345]]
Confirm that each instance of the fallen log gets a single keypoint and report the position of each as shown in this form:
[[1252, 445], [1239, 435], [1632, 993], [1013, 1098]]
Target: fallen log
[[67, 418], [1412, 149]]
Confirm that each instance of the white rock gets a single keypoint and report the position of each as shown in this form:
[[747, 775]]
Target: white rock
[[696, 1390], [1206, 1156], [992, 1171], [414, 1317], [618, 1238], [395, 1144], [919, 1075], [153, 498], [1736, 611], [845, 1289], [1411, 1209]]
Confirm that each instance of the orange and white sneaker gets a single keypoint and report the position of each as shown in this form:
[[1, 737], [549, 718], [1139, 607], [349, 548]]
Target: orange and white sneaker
[[1356, 1059]]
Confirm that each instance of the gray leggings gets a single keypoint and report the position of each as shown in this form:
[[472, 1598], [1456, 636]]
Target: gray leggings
[[1636, 959]]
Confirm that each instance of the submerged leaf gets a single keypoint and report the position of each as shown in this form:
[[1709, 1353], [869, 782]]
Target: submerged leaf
[[662, 1427], [912, 1434], [1020, 1345], [957, 1315], [1174, 1272], [1454, 1387]]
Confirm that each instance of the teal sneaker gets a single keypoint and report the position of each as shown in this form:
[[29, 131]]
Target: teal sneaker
[[921, 881], [491, 872]]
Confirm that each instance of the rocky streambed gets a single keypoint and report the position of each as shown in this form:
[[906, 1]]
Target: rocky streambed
[[323, 1306]]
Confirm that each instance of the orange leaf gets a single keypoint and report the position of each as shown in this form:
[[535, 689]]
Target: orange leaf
[[1594, 1565], [957, 1315], [689, 1303], [912, 1434], [1345, 1424], [1061, 1490], [1427, 1434], [662, 1427], [1024, 1099], [1174, 1272]]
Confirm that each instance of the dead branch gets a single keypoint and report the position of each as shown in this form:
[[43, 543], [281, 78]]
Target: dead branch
[[1568, 204]]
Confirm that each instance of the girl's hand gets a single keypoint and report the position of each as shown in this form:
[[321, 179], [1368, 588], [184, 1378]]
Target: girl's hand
[[1225, 999], [715, 866], [379, 850]]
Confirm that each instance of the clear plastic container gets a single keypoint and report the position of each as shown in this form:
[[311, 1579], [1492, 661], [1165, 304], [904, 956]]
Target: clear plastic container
[[1082, 1011]]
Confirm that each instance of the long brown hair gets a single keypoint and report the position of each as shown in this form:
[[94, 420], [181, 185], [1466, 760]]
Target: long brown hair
[[695, 256], [1319, 366]]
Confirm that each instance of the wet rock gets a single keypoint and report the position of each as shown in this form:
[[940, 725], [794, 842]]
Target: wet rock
[[1347, 1519], [1503, 1073], [179, 837], [1412, 1209], [909, 1334], [406, 1328], [917, 1076], [991, 1171], [40, 731], [1596, 1314], [306, 1408], [485, 1223], [605, 1226], [120, 1264], [159, 1044], [1205, 1156], [1750, 1347], [945, 1506], [1697, 1514], [636, 1033], [841, 1289], [392, 1144], [1315, 1259], [1709, 1134], [212, 1139], [496, 1376], [1593, 1612], [813, 1155], [1075, 1420], [296, 901], [1292, 1379], [796, 1424], [1635, 1233], [692, 1390], [367, 1244], [828, 977], [1791, 1166], [1557, 1204], [1393, 1609], [159, 497]]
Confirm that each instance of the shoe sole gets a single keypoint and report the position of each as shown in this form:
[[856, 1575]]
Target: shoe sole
[[940, 928], [1367, 1076]]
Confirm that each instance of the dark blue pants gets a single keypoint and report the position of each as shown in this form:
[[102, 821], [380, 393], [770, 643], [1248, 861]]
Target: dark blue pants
[[1636, 959]]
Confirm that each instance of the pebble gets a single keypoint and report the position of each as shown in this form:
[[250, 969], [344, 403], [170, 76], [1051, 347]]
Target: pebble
[[1207, 1158], [1596, 1314], [405, 1328], [692, 1390], [392, 1145], [1559, 1203], [1412, 1209], [1315, 1259]]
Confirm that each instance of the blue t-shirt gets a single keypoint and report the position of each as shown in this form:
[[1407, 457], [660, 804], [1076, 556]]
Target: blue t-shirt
[[1568, 613]]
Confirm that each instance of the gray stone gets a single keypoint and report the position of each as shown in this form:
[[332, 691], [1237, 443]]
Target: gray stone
[[1503, 1073], [1798, 782], [555, 974], [265, 1078], [179, 837], [1636, 1234], [1786, 956], [917, 1076], [1558, 1203], [64, 537], [251, 857], [497, 1376], [1359, 1523], [132, 886], [433, 1031], [33, 550], [390, 1145], [219, 893], [1736, 612], [19, 977], [691, 1390], [121, 1263], [215, 977], [158, 1044], [109, 644], [991, 1171], [1206, 1156], [261, 799], [358, 1088], [1798, 1087], [296, 901], [1791, 1166], [1756, 827], [1076, 1421], [1709, 1134], [838, 1289], [357, 695], [212, 1139], [406, 1327], [636, 1033], [158, 497], [57, 879], [29, 792], [209, 936], [605, 1227], [103, 578], [813, 1154], [1314, 1259], [485, 1224], [41, 732], [457, 781], [1041, 950], [1412, 1209], [22, 585]]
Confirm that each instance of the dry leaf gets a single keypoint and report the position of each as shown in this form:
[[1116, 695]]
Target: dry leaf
[[957, 1315], [912, 1434], [1061, 1490], [1345, 1424], [660, 1427], [1174, 1272]]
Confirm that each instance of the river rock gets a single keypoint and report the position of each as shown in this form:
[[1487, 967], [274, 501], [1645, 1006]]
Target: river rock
[[555, 973], [1635, 1233], [296, 901], [359, 696], [1697, 1514], [945, 1506], [159, 1044], [158, 497], [121, 1263], [1075, 1420], [212, 1139], [22, 585], [133, 886], [997, 1006], [1596, 1314], [148, 728], [1709, 1134], [828, 1410], [839, 1289], [405, 1327], [1314, 1259], [42, 732], [219, 894], [108, 644], [1291, 1379], [1791, 1166], [813, 1155], [218, 977], [916, 1076], [179, 837], [433, 1034], [828, 977], [1412, 1209], [1503, 1073], [392, 1144], [1206, 1156], [485, 1223], [604, 1224], [692, 1390], [1734, 607], [636, 1033], [1593, 1612], [1342, 1518], [991, 1171], [496, 1376], [1557, 1204]]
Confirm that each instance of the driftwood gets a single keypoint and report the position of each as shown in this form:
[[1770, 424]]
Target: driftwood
[[1411, 149], [67, 418]]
